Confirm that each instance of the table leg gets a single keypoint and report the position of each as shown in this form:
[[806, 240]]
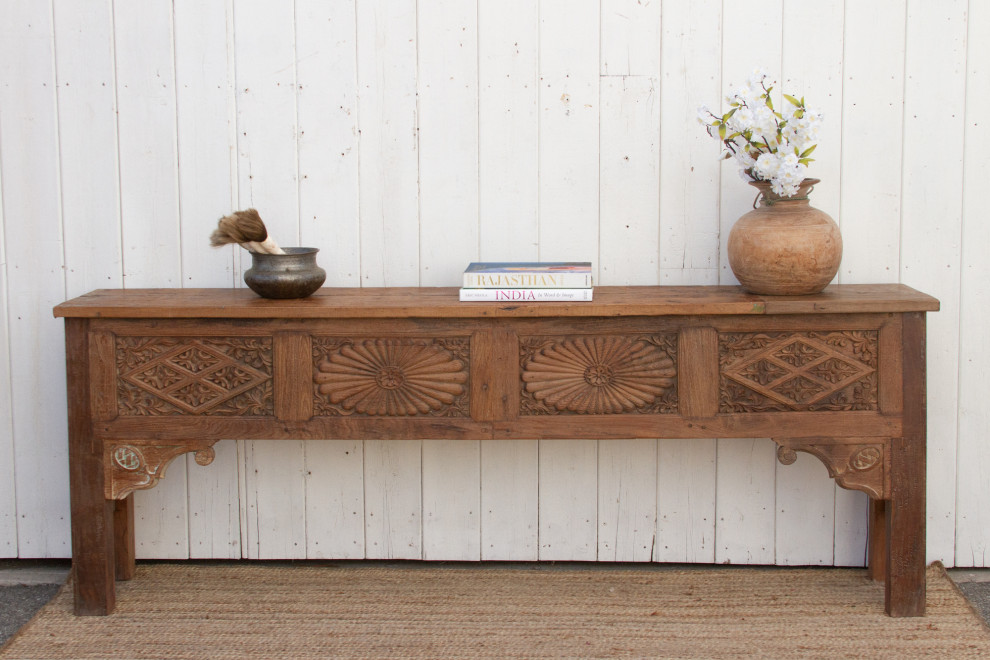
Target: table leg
[[876, 561], [905, 512], [123, 533], [92, 513]]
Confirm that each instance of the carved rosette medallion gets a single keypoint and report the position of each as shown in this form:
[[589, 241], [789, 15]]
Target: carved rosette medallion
[[391, 377], [130, 468], [194, 376], [598, 375], [804, 371]]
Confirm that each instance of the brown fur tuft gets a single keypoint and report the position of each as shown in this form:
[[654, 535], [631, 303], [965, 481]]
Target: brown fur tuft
[[239, 227]]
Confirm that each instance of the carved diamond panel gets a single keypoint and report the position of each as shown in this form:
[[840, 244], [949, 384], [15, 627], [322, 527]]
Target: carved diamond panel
[[194, 376], [598, 375], [391, 377], [766, 372]]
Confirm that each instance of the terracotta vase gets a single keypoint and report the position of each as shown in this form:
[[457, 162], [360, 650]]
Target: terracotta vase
[[785, 246]]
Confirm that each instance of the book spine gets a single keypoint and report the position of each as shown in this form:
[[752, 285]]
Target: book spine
[[524, 280], [523, 295]]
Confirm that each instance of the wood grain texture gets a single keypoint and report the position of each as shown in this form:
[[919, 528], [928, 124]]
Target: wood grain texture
[[441, 302], [596, 391]]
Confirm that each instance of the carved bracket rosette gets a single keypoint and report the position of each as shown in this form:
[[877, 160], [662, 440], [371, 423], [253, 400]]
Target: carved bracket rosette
[[856, 464], [130, 467]]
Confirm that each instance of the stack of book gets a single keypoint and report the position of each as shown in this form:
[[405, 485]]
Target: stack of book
[[566, 281]]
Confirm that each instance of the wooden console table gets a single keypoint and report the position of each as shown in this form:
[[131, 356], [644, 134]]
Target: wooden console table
[[153, 374]]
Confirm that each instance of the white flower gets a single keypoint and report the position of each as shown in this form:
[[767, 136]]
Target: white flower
[[768, 144]]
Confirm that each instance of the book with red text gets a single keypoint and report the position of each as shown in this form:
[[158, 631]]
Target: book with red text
[[525, 295], [528, 275]]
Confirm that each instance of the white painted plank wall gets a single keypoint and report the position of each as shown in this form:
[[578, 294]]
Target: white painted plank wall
[[405, 139]]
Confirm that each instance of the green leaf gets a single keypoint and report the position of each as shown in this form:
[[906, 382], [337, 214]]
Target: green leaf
[[792, 100], [807, 152], [721, 131]]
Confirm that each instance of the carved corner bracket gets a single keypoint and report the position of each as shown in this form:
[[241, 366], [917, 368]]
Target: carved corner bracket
[[855, 463], [129, 467]]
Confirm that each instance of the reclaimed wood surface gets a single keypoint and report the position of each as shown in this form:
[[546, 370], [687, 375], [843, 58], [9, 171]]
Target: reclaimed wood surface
[[441, 302], [642, 365]]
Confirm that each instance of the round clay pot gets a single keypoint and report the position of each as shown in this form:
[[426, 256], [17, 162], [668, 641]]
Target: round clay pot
[[290, 275], [785, 246]]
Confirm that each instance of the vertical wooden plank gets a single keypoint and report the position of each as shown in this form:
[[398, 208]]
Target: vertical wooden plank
[[92, 514], [146, 136], [630, 41], [744, 502], [335, 499], [568, 500], [629, 180], [510, 496], [973, 487], [569, 125], [8, 499], [690, 169], [293, 368], [697, 372], [84, 71], [805, 516], [275, 499], [387, 120], [448, 139], [811, 68], [393, 502], [686, 481], [123, 534], [904, 586], [508, 130], [627, 505], [452, 500], [214, 507], [877, 547], [872, 132], [690, 55], [326, 97], [935, 70], [851, 527], [206, 139], [35, 280]]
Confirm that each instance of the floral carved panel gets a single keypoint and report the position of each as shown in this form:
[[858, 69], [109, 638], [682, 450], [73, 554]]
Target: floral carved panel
[[598, 375], [395, 377], [194, 376], [798, 371]]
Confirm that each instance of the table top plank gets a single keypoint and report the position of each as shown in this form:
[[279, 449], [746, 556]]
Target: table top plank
[[442, 302]]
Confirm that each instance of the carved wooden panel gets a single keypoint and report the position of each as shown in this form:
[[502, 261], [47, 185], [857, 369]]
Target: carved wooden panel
[[598, 375], [804, 371], [194, 376], [130, 467], [853, 466], [391, 377]]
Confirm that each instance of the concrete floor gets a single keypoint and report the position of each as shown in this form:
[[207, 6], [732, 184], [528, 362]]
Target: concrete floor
[[26, 585]]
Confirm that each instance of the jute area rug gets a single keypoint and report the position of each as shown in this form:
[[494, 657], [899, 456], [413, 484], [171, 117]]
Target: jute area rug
[[361, 610]]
